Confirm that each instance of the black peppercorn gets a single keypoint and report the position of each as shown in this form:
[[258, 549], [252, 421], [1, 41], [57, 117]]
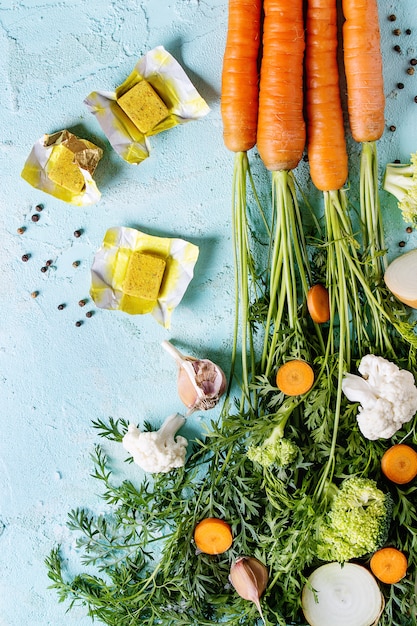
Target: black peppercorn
[[35, 218], [408, 31], [61, 307], [413, 62], [402, 244], [82, 302], [21, 230], [39, 207], [77, 233], [89, 314], [397, 48], [75, 264], [400, 85], [415, 98], [408, 229], [44, 269], [393, 128], [25, 257], [392, 17], [396, 32], [48, 263], [79, 323], [397, 161]]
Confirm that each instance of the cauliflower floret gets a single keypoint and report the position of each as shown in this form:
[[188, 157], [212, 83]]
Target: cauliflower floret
[[387, 396], [157, 451], [401, 180]]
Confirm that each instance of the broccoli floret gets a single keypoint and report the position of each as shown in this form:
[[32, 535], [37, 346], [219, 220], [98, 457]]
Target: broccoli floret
[[276, 449], [401, 181], [357, 523]]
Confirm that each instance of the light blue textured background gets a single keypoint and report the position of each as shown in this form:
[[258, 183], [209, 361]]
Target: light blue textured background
[[56, 378]]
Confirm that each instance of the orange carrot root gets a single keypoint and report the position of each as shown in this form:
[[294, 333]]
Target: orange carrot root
[[295, 377], [389, 565], [281, 127], [399, 464], [240, 77], [363, 68], [213, 536], [318, 304], [326, 133]]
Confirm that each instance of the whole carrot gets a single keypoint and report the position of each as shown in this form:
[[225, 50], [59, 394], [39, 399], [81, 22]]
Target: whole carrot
[[240, 77], [281, 127], [326, 134], [363, 67]]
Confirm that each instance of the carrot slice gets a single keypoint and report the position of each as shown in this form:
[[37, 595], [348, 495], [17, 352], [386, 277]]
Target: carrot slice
[[213, 536], [399, 464], [318, 304], [389, 565], [295, 377]]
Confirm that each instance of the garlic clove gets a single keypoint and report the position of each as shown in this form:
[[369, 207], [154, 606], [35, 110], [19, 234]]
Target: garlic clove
[[201, 382], [249, 577]]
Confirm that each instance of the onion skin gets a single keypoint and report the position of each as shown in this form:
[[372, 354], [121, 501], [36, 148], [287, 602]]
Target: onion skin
[[401, 278]]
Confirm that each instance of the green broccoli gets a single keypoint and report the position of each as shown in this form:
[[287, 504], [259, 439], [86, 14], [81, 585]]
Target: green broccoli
[[357, 523], [401, 180], [276, 449]]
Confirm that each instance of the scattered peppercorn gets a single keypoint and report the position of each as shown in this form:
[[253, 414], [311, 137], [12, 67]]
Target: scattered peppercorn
[[79, 323], [34, 294], [397, 48], [396, 32], [39, 207], [402, 244], [400, 85], [35, 218], [78, 233], [44, 269], [89, 314], [75, 264], [415, 98], [61, 307], [408, 31], [408, 229], [25, 257], [397, 161], [410, 71], [48, 263], [413, 62], [392, 17], [393, 128], [305, 158], [82, 302], [21, 230]]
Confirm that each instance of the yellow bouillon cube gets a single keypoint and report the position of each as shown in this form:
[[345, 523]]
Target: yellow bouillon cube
[[144, 276], [64, 170], [144, 106]]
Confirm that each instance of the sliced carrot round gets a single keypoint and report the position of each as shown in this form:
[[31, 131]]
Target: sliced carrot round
[[399, 464], [389, 565], [295, 377], [213, 536], [318, 304]]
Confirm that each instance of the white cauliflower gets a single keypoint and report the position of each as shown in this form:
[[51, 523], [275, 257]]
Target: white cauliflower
[[387, 396], [157, 451]]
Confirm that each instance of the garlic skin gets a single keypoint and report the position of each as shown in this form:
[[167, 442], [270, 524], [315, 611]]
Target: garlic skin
[[201, 383], [249, 577]]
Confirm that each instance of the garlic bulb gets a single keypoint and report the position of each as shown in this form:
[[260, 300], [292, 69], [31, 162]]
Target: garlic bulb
[[201, 382], [249, 577]]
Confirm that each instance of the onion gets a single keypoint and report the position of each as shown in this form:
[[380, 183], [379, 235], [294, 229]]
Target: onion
[[401, 278], [342, 595]]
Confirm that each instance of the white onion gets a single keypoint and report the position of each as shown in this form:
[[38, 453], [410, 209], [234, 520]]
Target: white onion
[[401, 278], [344, 595]]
